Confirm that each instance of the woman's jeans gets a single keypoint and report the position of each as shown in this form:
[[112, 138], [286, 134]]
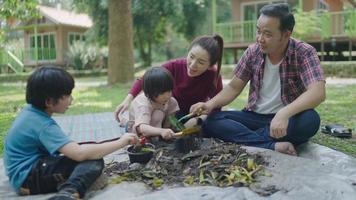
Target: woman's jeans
[[253, 129], [54, 173]]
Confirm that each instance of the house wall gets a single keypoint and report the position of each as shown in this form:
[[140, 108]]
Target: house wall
[[236, 6], [65, 38], [337, 21], [61, 43], [309, 5], [28, 33], [335, 5]]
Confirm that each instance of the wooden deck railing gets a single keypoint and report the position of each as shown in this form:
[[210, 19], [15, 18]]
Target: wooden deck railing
[[332, 24], [16, 60]]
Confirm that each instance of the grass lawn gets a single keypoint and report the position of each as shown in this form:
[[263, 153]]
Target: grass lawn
[[338, 108]]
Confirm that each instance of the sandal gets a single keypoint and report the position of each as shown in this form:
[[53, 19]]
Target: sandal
[[337, 130]]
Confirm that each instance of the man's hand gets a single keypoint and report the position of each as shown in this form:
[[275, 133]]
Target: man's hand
[[279, 125], [167, 133], [201, 107]]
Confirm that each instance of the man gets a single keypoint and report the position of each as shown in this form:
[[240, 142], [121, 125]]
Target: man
[[286, 84]]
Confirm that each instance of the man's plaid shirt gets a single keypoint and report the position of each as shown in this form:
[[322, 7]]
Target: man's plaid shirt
[[300, 67]]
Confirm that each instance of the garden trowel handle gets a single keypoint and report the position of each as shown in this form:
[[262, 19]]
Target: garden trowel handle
[[178, 134], [187, 131], [191, 115]]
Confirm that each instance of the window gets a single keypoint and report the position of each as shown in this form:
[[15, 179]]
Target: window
[[41, 20], [75, 37], [250, 11], [46, 47], [249, 15], [322, 5]]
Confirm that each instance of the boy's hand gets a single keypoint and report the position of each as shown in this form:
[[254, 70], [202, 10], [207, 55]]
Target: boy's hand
[[167, 133], [130, 138]]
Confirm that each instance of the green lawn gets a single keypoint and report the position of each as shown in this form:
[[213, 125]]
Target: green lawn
[[338, 108]]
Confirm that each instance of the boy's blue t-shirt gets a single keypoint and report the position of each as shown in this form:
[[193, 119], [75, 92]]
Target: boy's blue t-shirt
[[33, 134]]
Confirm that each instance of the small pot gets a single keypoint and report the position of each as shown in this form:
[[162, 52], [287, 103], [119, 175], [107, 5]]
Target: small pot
[[187, 144], [140, 156]]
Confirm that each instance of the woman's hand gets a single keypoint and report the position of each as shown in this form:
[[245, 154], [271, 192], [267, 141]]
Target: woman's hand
[[123, 107]]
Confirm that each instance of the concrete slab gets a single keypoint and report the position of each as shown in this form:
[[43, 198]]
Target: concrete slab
[[317, 173]]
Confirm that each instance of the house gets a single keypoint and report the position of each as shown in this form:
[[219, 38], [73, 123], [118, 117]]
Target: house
[[48, 38], [335, 40], [52, 34]]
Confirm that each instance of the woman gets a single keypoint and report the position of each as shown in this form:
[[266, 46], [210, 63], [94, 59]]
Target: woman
[[196, 78]]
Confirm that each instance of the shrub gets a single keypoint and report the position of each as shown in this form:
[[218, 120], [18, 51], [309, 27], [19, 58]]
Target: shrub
[[86, 56], [340, 69]]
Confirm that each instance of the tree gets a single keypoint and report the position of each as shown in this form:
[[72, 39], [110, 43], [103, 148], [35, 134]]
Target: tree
[[192, 17], [16, 10], [98, 10], [307, 24], [150, 21], [121, 60]]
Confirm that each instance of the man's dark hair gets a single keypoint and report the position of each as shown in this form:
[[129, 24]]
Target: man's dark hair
[[48, 82], [282, 12], [156, 81]]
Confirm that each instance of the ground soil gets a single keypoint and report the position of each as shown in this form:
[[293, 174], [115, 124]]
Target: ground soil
[[213, 163]]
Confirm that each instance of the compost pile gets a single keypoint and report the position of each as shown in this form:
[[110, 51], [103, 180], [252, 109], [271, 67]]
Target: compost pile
[[215, 163]]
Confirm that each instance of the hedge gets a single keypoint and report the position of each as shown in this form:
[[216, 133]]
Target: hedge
[[76, 73], [342, 69]]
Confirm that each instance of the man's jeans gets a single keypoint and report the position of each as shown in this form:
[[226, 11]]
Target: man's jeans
[[253, 129], [53, 173]]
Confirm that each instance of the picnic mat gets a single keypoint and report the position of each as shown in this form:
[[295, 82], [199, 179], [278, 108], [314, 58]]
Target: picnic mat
[[96, 127], [317, 173]]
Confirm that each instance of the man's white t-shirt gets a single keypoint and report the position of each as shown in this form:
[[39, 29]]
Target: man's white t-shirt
[[269, 100]]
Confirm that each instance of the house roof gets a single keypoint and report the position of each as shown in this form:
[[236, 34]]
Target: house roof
[[65, 17]]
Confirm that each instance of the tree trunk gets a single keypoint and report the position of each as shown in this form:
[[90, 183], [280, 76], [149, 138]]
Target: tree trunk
[[141, 42], [121, 58]]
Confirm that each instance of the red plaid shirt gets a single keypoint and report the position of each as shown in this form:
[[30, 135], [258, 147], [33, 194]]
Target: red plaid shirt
[[299, 68]]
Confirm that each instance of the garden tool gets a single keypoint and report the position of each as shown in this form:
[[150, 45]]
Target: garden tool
[[187, 131], [142, 141], [191, 115], [177, 126]]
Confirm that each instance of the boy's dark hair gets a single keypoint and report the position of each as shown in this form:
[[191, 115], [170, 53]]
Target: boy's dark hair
[[48, 82], [156, 81], [214, 45], [282, 12]]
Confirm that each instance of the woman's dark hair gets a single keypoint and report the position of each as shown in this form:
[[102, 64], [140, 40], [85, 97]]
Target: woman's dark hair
[[48, 82], [214, 45], [282, 12], [156, 81]]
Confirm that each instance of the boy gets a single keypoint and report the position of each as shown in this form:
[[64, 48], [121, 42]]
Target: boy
[[38, 156]]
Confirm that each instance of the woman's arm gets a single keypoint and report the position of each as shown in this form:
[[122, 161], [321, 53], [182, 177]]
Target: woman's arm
[[124, 105]]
